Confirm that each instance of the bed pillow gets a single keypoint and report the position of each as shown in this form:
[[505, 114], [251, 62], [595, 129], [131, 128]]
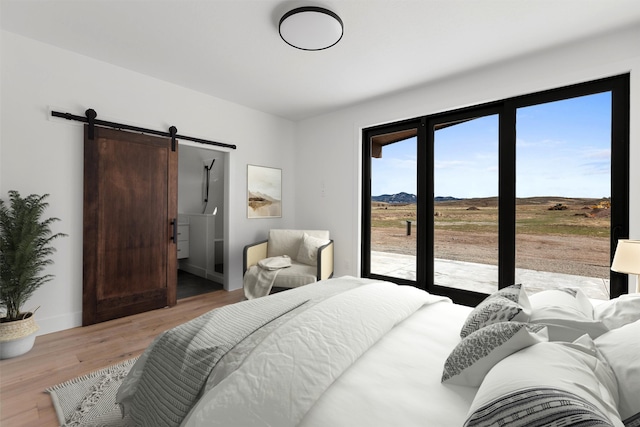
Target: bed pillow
[[476, 354], [308, 251], [621, 348], [567, 312], [619, 311], [507, 304], [524, 388]]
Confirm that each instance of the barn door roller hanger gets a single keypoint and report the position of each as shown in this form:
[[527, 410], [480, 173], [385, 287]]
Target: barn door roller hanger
[[90, 119]]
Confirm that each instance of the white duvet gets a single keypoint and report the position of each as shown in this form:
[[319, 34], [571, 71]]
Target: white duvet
[[397, 382], [370, 356]]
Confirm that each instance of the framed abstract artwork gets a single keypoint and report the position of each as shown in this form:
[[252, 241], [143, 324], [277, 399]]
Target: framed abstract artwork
[[264, 192]]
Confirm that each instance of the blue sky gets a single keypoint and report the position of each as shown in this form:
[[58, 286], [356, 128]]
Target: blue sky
[[563, 149]]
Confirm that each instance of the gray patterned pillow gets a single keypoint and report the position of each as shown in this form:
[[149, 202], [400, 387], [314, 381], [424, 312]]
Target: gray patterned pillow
[[507, 304], [475, 355]]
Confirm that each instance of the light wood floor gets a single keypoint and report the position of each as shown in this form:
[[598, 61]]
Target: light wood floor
[[61, 356]]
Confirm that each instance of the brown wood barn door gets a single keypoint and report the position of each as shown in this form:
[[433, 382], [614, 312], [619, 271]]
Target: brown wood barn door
[[130, 204]]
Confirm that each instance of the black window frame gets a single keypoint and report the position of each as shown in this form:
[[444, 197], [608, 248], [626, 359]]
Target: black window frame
[[619, 86]]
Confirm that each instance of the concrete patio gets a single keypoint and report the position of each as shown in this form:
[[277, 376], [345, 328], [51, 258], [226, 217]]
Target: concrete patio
[[484, 278]]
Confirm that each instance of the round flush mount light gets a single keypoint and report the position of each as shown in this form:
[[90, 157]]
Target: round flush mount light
[[311, 28]]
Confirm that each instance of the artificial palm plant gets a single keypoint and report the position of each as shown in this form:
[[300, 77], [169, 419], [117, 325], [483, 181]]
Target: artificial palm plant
[[25, 250]]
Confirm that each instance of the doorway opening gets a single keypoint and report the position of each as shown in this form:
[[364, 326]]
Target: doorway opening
[[201, 220], [190, 285]]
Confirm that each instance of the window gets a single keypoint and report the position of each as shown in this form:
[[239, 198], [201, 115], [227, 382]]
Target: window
[[392, 172], [465, 205], [502, 193], [563, 200]]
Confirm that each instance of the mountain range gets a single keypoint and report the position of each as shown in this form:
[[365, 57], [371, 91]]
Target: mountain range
[[395, 198], [407, 198]]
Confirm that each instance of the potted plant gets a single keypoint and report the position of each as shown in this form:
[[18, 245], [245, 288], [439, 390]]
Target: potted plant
[[25, 250]]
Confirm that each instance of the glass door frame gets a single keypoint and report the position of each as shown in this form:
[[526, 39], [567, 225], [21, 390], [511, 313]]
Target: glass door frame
[[619, 86], [426, 274], [365, 241]]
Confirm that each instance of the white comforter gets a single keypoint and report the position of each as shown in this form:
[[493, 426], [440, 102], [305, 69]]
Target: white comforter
[[369, 356], [397, 382]]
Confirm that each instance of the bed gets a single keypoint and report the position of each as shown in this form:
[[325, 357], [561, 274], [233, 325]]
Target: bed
[[360, 352]]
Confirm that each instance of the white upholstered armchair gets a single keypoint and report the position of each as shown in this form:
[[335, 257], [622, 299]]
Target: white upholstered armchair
[[311, 253]]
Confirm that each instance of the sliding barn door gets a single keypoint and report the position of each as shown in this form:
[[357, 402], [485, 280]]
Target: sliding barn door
[[130, 206]]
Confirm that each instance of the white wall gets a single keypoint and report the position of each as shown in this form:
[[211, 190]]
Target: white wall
[[328, 147], [41, 154]]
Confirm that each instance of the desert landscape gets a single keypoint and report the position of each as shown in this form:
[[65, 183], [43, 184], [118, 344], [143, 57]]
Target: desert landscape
[[554, 234]]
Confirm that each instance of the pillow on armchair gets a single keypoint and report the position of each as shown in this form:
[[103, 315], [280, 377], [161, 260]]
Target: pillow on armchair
[[308, 251], [283, 242], [288, 242]]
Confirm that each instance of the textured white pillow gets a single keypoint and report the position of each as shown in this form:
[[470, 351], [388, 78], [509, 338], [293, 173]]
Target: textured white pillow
[[284, 242], [308, 251], [524, 388], [476, 354], [619, 311], [567, 312], [621, 348], [507, 304]]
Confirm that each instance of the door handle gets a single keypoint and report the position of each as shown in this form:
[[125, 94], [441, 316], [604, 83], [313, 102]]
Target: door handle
[[174, 235]]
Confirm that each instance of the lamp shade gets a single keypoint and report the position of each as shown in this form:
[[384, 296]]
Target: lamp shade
[[311, 28], [627, 257]]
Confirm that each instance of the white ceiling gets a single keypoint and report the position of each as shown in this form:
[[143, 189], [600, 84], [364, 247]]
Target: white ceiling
[[231, 49]]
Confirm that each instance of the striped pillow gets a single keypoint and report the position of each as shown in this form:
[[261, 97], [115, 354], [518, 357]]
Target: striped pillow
[[548, 384], [537, 407]]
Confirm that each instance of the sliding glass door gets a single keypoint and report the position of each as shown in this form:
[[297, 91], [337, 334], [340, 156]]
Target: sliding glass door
[[563, 194], [530, 190], [465, 202], [393, 203]]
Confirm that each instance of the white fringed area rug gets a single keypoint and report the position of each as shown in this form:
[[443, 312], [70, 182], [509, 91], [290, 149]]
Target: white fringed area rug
[[90, 400]]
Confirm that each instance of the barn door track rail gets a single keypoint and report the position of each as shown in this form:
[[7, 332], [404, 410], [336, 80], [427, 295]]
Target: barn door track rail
[[90, 119]]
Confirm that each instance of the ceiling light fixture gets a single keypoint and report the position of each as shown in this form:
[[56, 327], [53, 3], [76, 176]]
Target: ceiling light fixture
[[311, 28]]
